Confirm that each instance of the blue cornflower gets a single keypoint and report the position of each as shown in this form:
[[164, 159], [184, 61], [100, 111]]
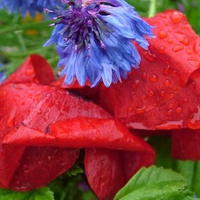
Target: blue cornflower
[[94, 40], [32, 6]]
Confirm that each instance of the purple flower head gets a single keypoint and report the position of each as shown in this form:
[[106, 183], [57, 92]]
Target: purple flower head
[[32, 6], [94, 40]]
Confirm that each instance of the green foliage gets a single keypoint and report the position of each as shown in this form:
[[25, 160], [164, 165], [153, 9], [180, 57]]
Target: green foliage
[[189, 169], [38, 194], [155, 183]]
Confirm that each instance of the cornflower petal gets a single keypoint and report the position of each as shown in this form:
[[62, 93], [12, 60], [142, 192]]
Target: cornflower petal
[[31, 6], [100, 36]]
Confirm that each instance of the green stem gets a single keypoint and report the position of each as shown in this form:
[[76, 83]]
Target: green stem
[[152, 8], [17, 27], [21, 40]]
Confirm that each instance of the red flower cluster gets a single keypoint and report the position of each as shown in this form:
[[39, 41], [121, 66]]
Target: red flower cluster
[[44, 125], [43, 128]]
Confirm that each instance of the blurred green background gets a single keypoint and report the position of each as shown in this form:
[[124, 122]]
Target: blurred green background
[[20, 37]]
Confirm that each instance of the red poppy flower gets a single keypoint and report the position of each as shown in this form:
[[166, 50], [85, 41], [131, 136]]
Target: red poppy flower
[[164, 92], [43, 128]]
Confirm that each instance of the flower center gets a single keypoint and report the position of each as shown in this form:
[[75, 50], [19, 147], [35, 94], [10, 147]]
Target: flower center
[[79, 22]]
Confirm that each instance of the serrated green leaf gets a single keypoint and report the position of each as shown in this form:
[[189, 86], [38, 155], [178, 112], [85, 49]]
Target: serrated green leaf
[[155, 183], [189, 169], [39, 194]]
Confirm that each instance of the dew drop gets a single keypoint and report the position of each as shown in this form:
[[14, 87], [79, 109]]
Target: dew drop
[[162, 34], [189, 52], [193, 121], [130, 109], [192, 84], [135, 84], [144, 75], [179, 110], [149, 56], [171, 96], [11, 122], [167, 70], [174, 73], [185, 100], [29, 72], [151, 93], [171, 125], [178, 47], [162, 93], [176, 17], [171, 106], [169, 112], [167, 83], [4, 93], [141, 109], [170, 41], [153, 78], [161, 49], [144, 97], [196, 46], [182, 38]]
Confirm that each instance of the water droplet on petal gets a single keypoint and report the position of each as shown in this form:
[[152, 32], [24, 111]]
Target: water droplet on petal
[[144, 97], [193, 121], [196, 46], [171, 105], [4, 93], [182, 38], [162, 34], [179, 110], [169, 112], [153, 78], [135, 84], [171, 96], [162, 93], [141, 109], [185, 100], [178, 47], [161, 49], [192, 84], [149, 56], [176, 17], [29, 72], [144, 75], [151, 93], [167, 83], [170, 41], [174, 73], [11, 122], [167, 70]]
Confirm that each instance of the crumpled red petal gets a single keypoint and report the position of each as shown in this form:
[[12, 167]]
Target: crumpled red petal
[[36, 106], [43, 127], [162, 93], [34, 70], [112, 156]]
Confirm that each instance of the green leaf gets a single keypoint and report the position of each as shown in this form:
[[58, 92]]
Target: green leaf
[[38, 194], [189, 169], [155, 183]]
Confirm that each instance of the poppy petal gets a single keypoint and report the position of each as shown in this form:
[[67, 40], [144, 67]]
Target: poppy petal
[[109, 170], [161, 93], [36, 107], [34, 70], [185, 144]]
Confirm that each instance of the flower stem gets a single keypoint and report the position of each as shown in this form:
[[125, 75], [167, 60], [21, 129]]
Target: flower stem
[[152, 8]]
